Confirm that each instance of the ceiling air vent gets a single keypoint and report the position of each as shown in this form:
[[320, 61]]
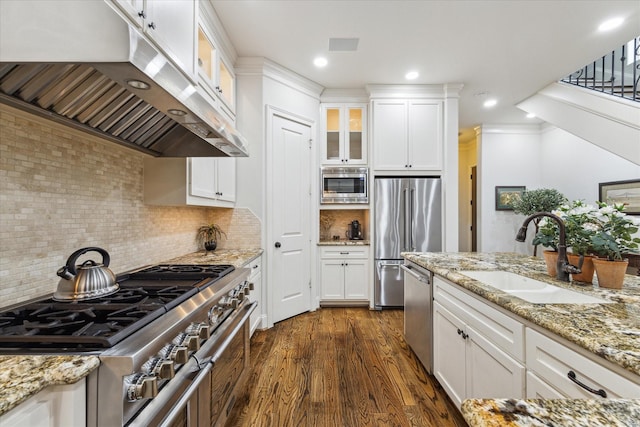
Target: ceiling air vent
[[343, 44]]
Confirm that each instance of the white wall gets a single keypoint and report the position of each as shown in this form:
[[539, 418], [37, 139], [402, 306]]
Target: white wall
[[507, 156], [575, 167], [547, 158]]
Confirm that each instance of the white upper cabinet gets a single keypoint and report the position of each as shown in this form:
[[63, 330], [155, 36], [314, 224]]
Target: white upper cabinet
[[171, 25], [407, 134], [215, 74], [345, 141], [198, 181]]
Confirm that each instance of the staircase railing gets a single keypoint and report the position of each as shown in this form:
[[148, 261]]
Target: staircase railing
[[617, 73]]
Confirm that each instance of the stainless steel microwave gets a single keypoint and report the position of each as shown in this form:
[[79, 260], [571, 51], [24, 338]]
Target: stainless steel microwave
[[344, 185]]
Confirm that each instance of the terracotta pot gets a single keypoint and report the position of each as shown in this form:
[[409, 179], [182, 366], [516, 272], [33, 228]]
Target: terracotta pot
[[610, 273], [551, 258], [587, 268]]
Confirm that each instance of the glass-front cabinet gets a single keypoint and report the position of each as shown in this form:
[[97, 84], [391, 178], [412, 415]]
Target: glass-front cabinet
[[217, 76], [344, 134]]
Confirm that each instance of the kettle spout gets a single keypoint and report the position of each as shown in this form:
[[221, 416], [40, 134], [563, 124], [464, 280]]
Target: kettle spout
[[65, 273]]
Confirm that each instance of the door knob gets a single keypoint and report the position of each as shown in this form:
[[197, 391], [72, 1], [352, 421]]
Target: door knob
[[278, 244]]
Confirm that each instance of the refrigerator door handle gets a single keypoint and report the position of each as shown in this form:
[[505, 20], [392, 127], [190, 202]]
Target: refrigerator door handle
[[406, 245], [412, 198]]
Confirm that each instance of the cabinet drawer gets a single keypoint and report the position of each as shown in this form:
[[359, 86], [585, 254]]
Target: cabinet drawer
[[345, 252], [504, 331], [552, 361], [255, 266]]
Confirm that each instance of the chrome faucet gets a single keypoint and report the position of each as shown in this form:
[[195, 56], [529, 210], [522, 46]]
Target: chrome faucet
[[563, 268]]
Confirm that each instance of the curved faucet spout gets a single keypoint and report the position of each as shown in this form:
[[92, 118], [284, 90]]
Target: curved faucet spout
[[563, 267]]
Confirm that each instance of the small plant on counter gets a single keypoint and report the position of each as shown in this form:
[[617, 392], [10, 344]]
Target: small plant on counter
[[540, 200], [208, 236], [614, 232]]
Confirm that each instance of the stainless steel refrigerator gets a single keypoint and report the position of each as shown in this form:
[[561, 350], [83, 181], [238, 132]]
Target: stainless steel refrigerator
[[407, 218]]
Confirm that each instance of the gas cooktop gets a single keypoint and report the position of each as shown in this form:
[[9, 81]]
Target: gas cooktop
[[144, 295]]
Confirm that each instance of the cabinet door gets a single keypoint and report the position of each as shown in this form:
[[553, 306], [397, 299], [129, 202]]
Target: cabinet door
[[356, 283], [491, 373], [226, 179], [355, 147], [134, 9], [333, 152], [539, 389], [332, 272], [203, 177], [425, 135], [449, 353], [171, 24], [390, 135]]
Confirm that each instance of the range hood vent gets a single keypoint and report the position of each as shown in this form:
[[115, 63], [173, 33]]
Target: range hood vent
[[162, 114]]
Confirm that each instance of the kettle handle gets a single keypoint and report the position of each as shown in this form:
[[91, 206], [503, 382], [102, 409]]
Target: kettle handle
[[71, 262]]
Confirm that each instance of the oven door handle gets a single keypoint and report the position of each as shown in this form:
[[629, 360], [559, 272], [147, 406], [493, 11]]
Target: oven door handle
[[153, 411]]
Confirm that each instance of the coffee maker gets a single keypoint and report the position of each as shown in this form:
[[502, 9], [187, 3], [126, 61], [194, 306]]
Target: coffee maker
[[354, 230]]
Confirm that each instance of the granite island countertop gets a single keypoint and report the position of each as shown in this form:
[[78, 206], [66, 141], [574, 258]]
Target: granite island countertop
[[23, 376], [612, 331], [551, 412]]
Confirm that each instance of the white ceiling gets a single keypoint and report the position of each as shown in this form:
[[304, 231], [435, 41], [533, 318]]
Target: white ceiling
[[506, 49]]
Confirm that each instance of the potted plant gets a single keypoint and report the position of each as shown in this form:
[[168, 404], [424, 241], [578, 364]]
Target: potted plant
[[548, 236], [612, 239], [579, 228], [540, 200], [208, 236]]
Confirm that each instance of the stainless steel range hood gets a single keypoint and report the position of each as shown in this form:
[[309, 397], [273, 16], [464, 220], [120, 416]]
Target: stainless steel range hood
[[82, 64]]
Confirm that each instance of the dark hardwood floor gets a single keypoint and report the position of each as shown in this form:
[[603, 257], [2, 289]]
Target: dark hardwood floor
[[339, 367]]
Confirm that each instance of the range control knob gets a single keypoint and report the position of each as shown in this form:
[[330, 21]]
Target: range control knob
[[214, 315], [192, 342], [229, 302], [251, 285], [201, 330], [178, 353], [141, 386], [161, 368]]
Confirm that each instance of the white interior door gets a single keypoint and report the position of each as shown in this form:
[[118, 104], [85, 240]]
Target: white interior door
[[290, 217]]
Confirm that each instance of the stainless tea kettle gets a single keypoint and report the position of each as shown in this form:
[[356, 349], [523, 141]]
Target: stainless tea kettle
[[86, 281]]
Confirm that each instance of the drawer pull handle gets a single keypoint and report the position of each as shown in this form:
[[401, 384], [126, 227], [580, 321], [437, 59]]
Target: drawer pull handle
[[572, 377], [344, 253]]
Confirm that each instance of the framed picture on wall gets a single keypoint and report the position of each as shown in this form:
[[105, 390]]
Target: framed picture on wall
[[627, 192], [505, 196]]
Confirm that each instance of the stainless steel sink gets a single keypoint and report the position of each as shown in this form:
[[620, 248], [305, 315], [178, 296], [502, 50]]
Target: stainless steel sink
[[531, 290]]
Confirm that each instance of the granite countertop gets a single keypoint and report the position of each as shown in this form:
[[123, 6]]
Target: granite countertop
[[344, 243], [236, 257], [612, 331], [551, 412], [23, 376]]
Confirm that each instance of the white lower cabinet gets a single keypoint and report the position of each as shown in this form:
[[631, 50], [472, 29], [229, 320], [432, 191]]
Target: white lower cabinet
[[344, 274], [483, 352], [256, 294], [55, 406], [468, 365], [553, 363]]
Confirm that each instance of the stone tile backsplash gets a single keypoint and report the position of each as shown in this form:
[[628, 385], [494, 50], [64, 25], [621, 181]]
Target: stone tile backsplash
[[61, 190]]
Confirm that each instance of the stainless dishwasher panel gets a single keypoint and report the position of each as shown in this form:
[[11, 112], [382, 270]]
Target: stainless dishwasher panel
[[389, 287], [418, 313]]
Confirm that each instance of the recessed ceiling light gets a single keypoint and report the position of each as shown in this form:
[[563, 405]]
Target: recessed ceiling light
[[320, 61], [411, 75], [138, 84], [531, 116], [490, 103], [610, 24]]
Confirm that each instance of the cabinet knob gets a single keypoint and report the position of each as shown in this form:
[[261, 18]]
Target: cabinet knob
[[278, 244], [142, 15], [152, 25]]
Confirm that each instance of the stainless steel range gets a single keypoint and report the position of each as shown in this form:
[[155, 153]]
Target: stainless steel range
[[173, 342]]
